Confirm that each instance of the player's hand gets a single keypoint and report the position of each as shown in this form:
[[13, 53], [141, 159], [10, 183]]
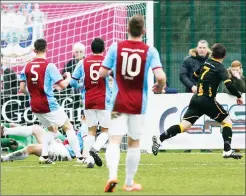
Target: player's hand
[[236, 74], [67, 75], [158, 89], [239, 101], [56, 87], [194, 89]]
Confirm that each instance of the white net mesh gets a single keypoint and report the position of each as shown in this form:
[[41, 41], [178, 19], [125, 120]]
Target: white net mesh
[[62, 25]]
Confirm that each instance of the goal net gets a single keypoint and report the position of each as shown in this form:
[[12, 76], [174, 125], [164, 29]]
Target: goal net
[[62, 25]]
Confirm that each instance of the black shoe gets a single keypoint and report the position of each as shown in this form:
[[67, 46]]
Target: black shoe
[[231, 154], [96, 157], [42, 160], [155, 146]]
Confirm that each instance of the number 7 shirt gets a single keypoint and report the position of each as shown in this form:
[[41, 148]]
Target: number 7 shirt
[[40, 76], [130, 62], [95, 91]]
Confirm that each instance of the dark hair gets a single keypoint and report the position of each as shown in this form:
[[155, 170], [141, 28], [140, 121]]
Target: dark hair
[[40, 45], [97, 46], [136, 25], [218, 51]]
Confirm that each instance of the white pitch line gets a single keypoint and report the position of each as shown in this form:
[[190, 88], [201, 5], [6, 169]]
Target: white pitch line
[[82, 165]]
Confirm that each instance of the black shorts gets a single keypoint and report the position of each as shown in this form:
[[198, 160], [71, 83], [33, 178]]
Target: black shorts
[[200, 105]]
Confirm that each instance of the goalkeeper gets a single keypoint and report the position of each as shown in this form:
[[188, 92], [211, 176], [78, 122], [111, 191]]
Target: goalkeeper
[[59, 148], [13, 143]]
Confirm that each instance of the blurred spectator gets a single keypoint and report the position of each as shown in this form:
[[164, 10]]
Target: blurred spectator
[[236, 74], [78, 54], [191, 63], [9, 83]]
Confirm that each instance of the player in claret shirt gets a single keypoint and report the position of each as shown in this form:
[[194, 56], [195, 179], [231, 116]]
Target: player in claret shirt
[[130, 61], [96, 97], [40, 76]]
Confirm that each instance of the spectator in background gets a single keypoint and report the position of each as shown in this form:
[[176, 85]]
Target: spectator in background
[[78, 54], [191, 63], [197, 57], [236, 74], [9, 83]]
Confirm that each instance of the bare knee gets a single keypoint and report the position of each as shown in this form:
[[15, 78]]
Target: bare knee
[[133, 143], [67, 126], [92, 130], [104, 129], [53, 129], [116, 139], [185, 125]]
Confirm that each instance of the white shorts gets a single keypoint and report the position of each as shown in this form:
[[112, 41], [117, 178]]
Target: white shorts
[[130, 124], [57, 117], [93, 117], [56, 149]]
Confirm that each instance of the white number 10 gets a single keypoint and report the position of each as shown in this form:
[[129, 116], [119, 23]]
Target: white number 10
[[34, 72], [127, 64]]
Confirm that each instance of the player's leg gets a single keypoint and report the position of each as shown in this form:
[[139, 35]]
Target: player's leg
[[135, 130], [118, 128], [35, 149], [190, 117], [59, 118], [58, 152], [103, 117], [73, 140], [89, 140], [47, 136], [24, 131], [218, 113]]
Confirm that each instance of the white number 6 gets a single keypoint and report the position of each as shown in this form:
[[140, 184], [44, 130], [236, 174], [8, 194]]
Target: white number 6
[[92, 71], [34, 72]]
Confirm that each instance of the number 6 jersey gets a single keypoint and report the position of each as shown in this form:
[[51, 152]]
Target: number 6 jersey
[[130, 62], [40, 76], [95, 91]]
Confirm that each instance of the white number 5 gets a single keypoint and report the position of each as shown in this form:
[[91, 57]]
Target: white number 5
[[34, 72], [93, 71]]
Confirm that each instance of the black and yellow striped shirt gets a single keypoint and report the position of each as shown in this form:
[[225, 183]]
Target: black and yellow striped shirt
[[210, 75]]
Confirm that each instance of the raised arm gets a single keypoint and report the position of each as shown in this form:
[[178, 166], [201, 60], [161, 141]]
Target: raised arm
[[77, 75]]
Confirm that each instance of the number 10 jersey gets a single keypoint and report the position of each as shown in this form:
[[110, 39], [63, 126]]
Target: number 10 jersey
[[130, 62]]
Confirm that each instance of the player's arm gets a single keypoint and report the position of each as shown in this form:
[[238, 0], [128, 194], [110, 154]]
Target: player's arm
[[196, 74], [109, 61], [77, 74], [160, 75], [23, 82], [228, 83], [57, 78]]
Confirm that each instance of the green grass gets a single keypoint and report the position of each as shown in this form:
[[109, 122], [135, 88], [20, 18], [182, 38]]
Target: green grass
[[166, 174]]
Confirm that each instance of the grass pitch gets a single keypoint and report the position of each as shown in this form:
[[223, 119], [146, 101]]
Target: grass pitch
[[169, 173]]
